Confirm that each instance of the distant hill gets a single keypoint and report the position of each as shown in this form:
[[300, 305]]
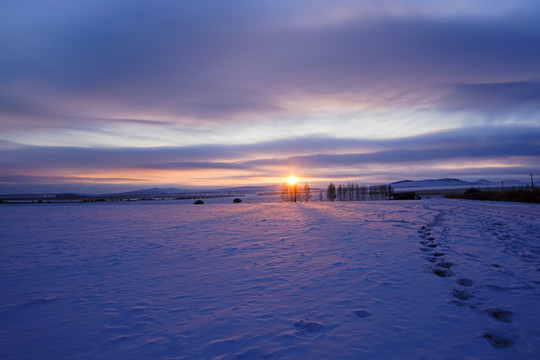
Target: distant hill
[[449, 183], [406, 185], [438, 183], [154, 192], [168, 191], [250, 188]]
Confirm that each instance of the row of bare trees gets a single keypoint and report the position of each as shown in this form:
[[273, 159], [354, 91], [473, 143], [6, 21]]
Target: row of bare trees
[[295, 192], [355, 192]]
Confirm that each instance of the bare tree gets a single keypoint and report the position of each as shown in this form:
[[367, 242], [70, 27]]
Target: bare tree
[[285, 192], [307, 192], [351, 191], [293, 192]]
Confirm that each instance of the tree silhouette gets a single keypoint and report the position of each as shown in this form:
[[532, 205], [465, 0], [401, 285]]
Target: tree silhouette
[[355, 192], [331, 192], [290, 192], [293, 188], [307, 192], [285, 192]]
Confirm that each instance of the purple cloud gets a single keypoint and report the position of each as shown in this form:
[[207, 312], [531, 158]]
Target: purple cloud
[[216, 61], [473, 143]]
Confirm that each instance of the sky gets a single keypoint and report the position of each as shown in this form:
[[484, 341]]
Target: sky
[[102, 96]]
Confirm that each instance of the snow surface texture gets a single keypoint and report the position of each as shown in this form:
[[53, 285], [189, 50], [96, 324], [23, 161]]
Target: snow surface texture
[[429, 279]]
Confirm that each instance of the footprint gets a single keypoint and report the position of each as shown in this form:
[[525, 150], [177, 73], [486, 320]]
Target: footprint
[[445, 265], [432, 245], [498, 341], [362, 313], [431, 259], [309, 326], [462, 294], [500, 314], [442, 272], [465, 282], [438, 254], [425, 249]]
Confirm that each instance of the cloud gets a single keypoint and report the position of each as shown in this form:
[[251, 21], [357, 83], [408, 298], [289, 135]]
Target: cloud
[[37, 179], [495, 97], [304, 152], [223, 62]]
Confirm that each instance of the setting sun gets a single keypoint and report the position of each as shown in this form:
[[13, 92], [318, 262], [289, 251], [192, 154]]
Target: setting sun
[[292, 180]]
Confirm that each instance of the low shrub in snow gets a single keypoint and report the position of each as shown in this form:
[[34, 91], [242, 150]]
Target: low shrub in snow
[[528, 195]]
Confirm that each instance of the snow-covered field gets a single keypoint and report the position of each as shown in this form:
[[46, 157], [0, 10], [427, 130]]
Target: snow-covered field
[[430, 279]]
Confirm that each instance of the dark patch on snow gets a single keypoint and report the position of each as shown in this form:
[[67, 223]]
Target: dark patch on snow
[[362, 313], [442, 272], [462, 295], [445, 264], [438, 254], [465, 282], [500, 314], [38, 302], [309, 326], [498, 341], [432, 245]]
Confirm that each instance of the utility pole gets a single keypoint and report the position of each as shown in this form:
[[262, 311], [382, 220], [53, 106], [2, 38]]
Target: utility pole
[[532, 181]]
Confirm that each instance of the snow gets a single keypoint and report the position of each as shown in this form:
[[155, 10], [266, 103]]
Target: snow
[[435, 278]]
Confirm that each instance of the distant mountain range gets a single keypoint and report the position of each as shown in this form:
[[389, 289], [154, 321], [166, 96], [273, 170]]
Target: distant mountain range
[[403, 184], [169, 191], [153, 191], [450, 182], [255, 189]]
